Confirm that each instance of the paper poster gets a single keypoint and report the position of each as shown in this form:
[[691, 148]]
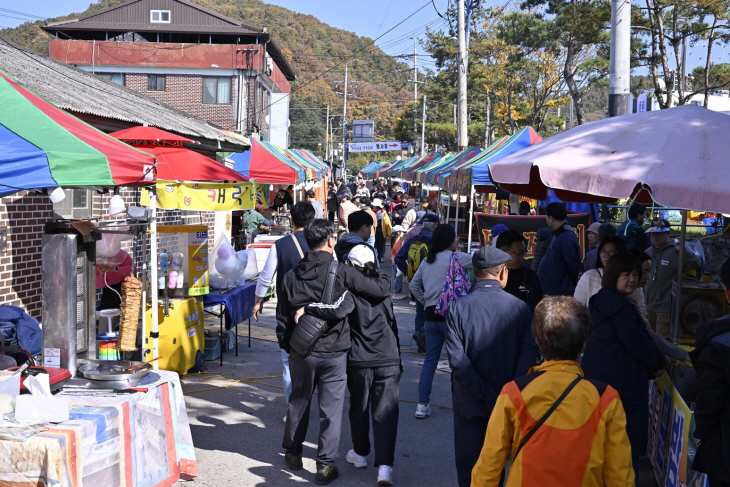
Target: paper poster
[[199, 282], [669, 425]]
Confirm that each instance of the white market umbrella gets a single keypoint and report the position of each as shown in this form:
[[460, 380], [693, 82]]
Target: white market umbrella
[[678, 157]]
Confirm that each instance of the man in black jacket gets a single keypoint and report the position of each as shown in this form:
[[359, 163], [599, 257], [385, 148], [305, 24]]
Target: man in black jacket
[[523, 282], [488, 343], [325, 368], [711, 358]]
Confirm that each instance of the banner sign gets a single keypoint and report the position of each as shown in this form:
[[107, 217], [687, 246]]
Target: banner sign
[[204, 196], [669, 438], [528, 227], [460, 183], [374, 146]]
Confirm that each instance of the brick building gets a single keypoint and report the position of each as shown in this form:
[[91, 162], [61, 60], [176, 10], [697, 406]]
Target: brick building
[[108, 107], [213, 67]]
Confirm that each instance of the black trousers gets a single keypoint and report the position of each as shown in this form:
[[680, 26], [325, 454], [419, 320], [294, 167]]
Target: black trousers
[[331, 216], [329, 376], [469, 434], [374, 392]]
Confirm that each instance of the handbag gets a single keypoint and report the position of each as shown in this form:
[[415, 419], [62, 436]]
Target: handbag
[[310, 329], [455, 286]]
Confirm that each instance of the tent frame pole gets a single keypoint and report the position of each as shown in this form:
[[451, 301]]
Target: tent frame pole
[[470, 222], [153, 280], [676, 308], [448, 205], [456, 212]]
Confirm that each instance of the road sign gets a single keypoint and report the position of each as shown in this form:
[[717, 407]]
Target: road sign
[[375, 146]]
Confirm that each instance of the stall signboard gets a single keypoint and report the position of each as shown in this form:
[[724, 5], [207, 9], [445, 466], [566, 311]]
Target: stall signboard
[[204, 196], [669, 426], [528, 227], [194, 239]]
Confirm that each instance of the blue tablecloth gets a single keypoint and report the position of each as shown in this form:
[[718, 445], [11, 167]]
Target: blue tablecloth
[[238, 302]]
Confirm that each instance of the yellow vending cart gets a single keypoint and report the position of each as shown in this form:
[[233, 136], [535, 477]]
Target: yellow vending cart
[[182, 343]]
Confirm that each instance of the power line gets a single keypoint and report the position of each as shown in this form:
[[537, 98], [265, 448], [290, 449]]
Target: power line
[[21, 13]]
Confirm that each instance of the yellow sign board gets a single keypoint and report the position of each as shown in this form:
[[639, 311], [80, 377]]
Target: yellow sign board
[[204, 196], [195, 237]]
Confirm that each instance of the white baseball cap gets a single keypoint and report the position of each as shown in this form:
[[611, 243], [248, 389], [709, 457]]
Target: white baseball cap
[[377, 202], [361, 254]]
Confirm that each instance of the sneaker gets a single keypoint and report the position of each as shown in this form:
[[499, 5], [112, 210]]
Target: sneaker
[[325, 475], [293, 461], [284, 420], [422, 410], [399, 296], [385, 475], [355, 459], [420, 338], [412, 303]]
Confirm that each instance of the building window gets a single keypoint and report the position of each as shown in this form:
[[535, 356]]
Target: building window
[[217, 91], [156, 83], [160, 16], [76, 205], [118, 78]]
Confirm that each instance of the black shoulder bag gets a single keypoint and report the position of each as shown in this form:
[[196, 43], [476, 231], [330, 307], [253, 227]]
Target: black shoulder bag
[[310, 329], [546, 416]]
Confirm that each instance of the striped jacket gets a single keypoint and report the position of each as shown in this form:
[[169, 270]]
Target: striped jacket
[[583, 443]]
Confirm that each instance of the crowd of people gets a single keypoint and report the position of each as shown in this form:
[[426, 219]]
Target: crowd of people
[[565, 345]]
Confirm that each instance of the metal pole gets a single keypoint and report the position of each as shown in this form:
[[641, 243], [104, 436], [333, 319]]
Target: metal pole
[[471, 220], [344, 131], [327, 138], [463, 139], [619, 98], [423, 128], [680, 273], [448, 206], [570, 124], [456, 213], [153, 280], [487, 132], [684, 64]]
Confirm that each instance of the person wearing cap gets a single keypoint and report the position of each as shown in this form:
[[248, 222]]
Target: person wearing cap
[[405, 204], [325, 369], [332, 203], [560, 266], [373, 367], [664, 253], [360, 224], [494, 233], [312, 200], [596, 233], [631, 230], [411, 216], [488, 344], [428, 222], [362, 189], [366, 205], [346, 207]]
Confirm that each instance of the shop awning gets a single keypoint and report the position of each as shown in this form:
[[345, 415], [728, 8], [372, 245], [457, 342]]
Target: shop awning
[[265, 164], [42, 146]]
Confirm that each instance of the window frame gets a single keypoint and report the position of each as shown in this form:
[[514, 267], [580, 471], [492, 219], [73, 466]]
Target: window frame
[[160, 12], [110, 77], [217, 78], [157, 81]]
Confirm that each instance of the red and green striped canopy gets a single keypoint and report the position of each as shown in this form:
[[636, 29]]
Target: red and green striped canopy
[[42, 146]]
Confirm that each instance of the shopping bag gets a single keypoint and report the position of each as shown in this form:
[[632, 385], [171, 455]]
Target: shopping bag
[[455, 286]]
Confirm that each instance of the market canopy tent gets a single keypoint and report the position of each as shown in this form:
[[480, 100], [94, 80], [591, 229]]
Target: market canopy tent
[[42, 146], [181, 164], [676, 157], [267, 163]]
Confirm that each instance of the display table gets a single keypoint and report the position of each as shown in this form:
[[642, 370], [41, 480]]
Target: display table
[[142, 439], [237, 305]]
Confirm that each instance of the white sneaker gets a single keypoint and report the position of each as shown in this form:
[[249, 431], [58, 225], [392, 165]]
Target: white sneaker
[[284, 419], [422, 410], [385, 475], [357, 460]]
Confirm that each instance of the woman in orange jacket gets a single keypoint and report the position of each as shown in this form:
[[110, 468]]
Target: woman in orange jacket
[[556, 427]]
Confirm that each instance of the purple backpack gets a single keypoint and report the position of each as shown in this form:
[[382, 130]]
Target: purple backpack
[[456, 286]]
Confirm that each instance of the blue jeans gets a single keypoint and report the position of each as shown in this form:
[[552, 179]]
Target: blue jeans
[[286, 375], [397, 280], [420, 316], [435, 333]]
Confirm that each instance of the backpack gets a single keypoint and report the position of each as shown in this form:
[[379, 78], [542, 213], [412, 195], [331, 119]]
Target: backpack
[[416, 254], [455, 286]]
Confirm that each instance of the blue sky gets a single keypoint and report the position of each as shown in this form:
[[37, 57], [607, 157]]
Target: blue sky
[[370, 18]]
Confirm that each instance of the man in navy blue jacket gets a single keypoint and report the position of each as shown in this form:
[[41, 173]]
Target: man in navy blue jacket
[[559, 267], [488, 343]]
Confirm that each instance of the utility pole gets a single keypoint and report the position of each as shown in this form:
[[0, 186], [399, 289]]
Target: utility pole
[[415, 85], [619, 99], [487, 131], [423, 128], [327, 137], [463, 139], [344, 132]]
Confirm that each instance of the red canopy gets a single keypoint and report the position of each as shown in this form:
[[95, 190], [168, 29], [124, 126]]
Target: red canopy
[[141, 135], [181, 164]]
